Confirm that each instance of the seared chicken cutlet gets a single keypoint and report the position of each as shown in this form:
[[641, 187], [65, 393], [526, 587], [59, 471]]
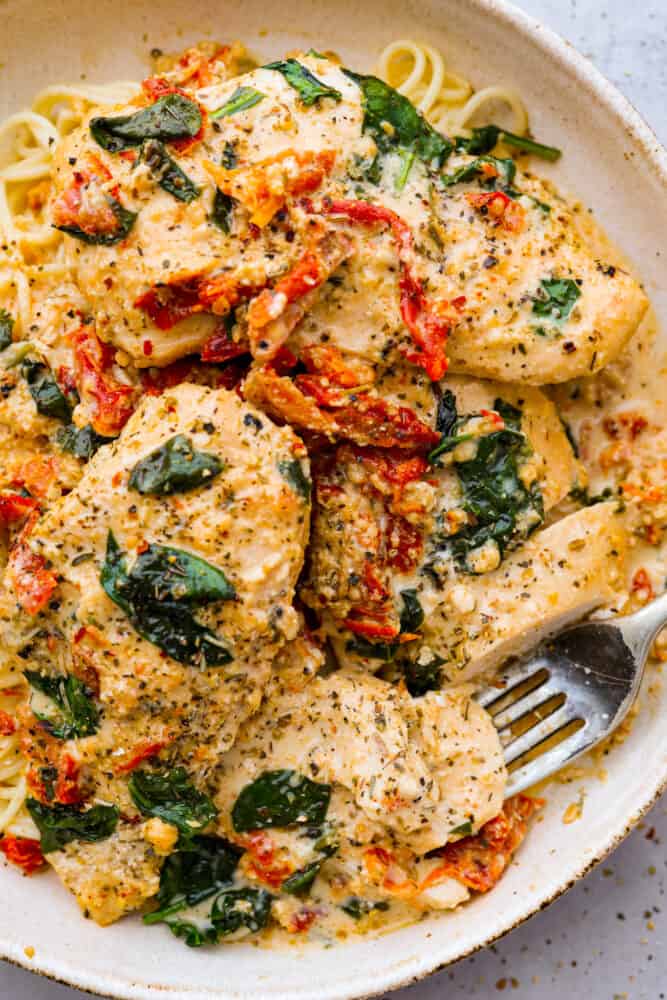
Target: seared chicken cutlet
[[167, 577]]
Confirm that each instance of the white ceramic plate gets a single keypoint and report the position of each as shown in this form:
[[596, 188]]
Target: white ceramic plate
[[615, 164]]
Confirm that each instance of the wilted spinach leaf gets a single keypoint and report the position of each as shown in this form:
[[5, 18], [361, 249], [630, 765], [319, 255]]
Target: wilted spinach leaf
[[47, 394], [384, 651], [395, 123], [174, 467], [310, 89], [242, 99], [555, 300], [158, 595], [173, 116], [447, 415], [124, 218], [485, 138], [412, 615], [222, 211], [357, 907], [82, 442], [421, 677], [195, 872], [167, 172], [6, 327], [504, 509], [171, 796], [72, 713], [291, 470], [280, 798], [506, 171], [59, 825], [237, 908]]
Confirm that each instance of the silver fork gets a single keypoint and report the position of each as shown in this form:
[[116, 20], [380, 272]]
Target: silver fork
[[571, 693]]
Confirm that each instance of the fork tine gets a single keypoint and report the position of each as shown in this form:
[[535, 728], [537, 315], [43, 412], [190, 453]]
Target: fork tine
[[533, 737], [547, 763], [523, 706], [510, 678]]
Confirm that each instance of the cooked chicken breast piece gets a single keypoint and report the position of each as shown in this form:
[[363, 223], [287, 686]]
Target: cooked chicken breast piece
[[558, 576], [384, 525], [169, 573], [416, 769]]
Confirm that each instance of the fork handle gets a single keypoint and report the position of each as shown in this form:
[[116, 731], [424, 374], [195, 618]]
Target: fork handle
[[642, 627]]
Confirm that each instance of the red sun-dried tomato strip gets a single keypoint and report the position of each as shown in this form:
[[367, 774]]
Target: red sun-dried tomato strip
[[111, 402], [14, 507], [33, 583], [479, 861], [429, 330], [24, 852], [7, 724]]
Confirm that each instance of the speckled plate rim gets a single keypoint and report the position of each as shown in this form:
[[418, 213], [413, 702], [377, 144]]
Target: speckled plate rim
[[376, 981]]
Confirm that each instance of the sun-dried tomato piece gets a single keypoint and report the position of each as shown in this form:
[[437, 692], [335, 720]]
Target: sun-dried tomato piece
[[24, 852], [14, 507], [33, 583], [109, 401], [479, 861]]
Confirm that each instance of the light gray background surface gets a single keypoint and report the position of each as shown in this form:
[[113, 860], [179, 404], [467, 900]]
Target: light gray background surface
[[606, 939]]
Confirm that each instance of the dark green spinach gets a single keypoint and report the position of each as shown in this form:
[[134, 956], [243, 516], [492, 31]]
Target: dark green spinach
[[506, 171], [504, 510], [171, 117], [82, 442], [422, 676], [292, 472], [395, 123], [204, 866], [554, 301], [484, 139], [59, 825], [158, 595], [171, 796], [309, 88], [222, 212], [174, 467], [72, 712], [242, 99], [356, 907], [280, 798], [238, 908], [47, 394], [167, 172], [412, 615]]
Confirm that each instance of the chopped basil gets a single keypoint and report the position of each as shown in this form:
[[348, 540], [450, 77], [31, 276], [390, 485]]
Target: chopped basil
[[124, 218], [356, 907], [82, 442], [158, 595], [174, 467], [484, 139], [554, 301], [167, 172], [292, 472], [59, 825], [582, 495], [242, 99], [6, 327], [47, 394], [395, 123], [422, 676], [63, 704], [310, 89], [171, 796], [280, 798], [173, 116]]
